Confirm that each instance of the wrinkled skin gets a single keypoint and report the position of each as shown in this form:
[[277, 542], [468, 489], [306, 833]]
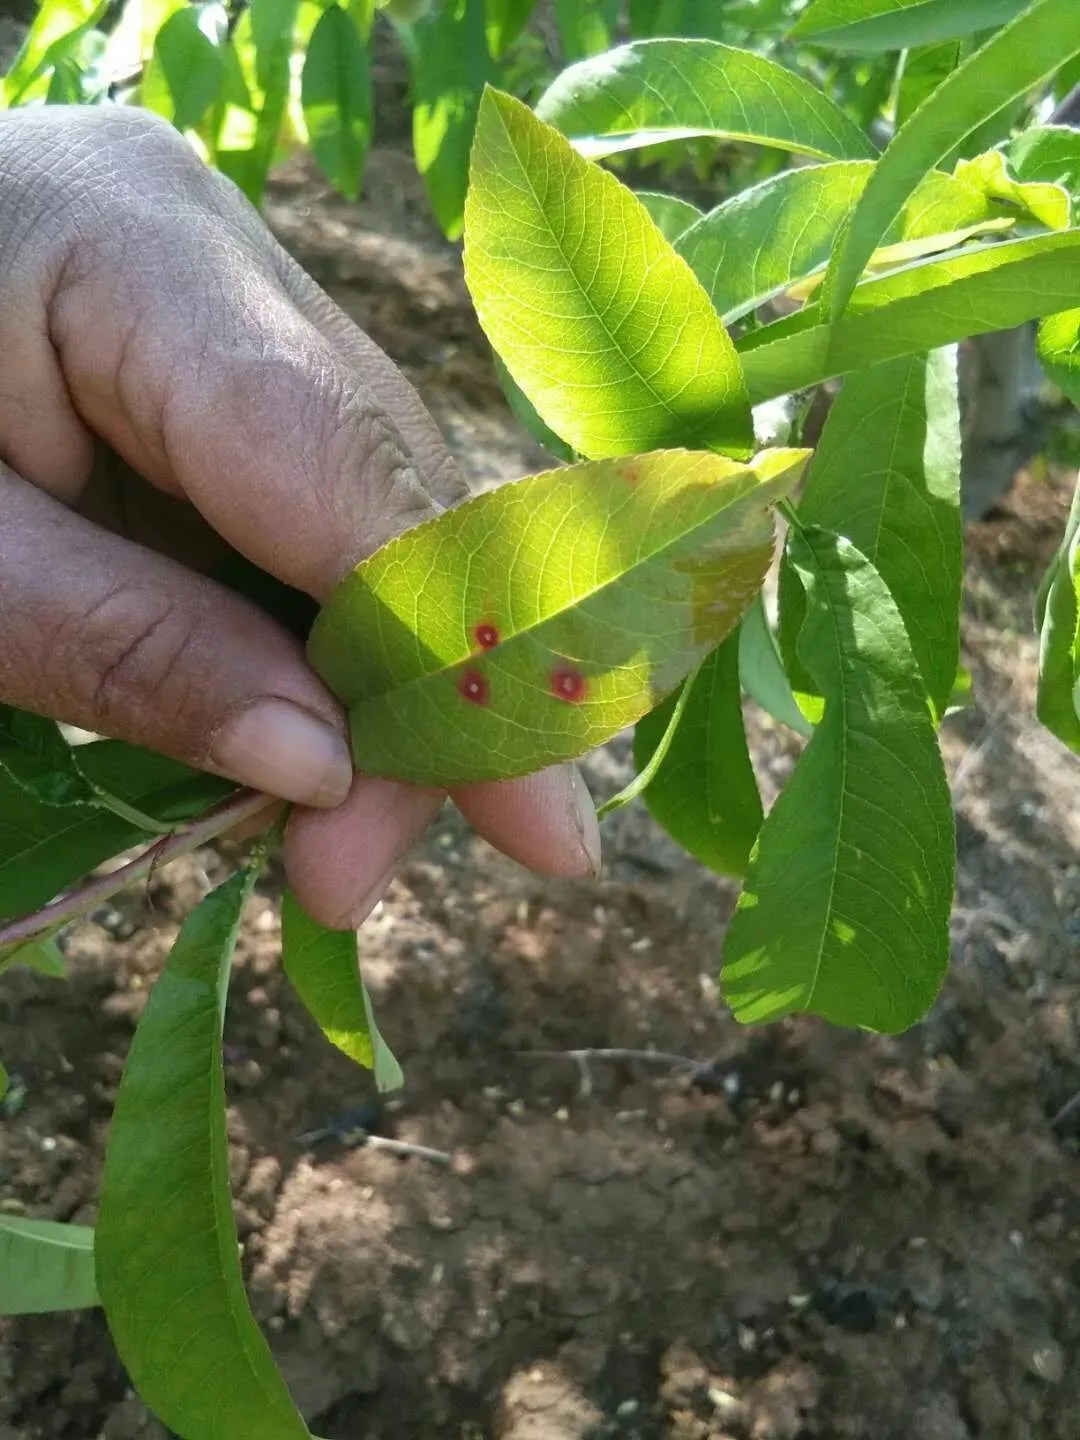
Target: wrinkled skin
[[173, 389]]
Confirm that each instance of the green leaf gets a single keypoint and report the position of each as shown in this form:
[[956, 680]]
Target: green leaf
[[922, 307], [648, 770], [596, 317], [1007, 66], [585, 27], [754, 246], [653, 91], [762, 673], [336, 95], [37, 756], [526, 414], [67, 84], [168, 1267], [1048, 153], [921, 72], [1047, 203], [166, 791], [44, 849], [106, 774], [45, 1266], [886, 475], [186, 71], [671, 215], [272, 26], [1059, 352], [874, 25], [704, 793], [324, 967], [704, 19], [42, 954], [845, 911], [505, 20], [5, 1081], [1059, 639], [451, 66], [535, 621], [58, 30]]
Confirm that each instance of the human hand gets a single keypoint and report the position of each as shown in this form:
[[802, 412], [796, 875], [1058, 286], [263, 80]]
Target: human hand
[[173, 387]]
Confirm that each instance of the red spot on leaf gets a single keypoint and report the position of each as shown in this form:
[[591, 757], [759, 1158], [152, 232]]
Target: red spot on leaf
[[568, 685], [487, 637], [631, 474], [474, 687]]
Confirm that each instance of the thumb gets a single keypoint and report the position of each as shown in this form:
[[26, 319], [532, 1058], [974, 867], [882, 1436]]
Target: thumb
[[103, 634]]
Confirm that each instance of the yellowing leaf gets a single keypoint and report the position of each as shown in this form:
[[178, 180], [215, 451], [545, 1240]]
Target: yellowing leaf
[[536, 621]]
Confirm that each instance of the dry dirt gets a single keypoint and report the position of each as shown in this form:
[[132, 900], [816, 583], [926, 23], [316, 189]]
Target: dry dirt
[[813, 1235]]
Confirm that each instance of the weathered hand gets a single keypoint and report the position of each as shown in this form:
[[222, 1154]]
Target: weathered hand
[[173, 387]]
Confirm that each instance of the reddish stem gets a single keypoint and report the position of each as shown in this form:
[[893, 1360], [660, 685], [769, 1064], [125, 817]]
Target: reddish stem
[[198, 832]]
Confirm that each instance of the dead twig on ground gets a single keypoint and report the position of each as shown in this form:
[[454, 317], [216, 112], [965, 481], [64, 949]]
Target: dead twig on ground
[[582, 1059]]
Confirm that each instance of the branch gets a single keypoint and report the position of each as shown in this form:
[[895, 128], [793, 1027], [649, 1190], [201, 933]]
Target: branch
[[77, 903]]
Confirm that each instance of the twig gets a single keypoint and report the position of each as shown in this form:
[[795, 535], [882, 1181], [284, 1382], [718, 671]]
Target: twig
[[402, 1147], [206, 827], [356, 1137], [1069, 1108], [581, 1059]]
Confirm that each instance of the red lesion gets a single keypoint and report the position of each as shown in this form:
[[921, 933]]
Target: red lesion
[[631, 474], [486, 635], [473, 686], [568, 684]]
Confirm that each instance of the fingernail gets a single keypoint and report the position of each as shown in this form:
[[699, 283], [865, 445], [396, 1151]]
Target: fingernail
[[588, 826], [363, 907], [278, 747]]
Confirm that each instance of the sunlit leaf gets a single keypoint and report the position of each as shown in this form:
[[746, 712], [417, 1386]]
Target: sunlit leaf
[[526, 414], [1007, 66], [872, 25], [845, 911], [1048, 203], [658, 90], [58, 29], [451, 65], [188, 65], [45, 1266], [596, 317], [505, 20], [1048, 153], [324, 968], [336, 95], [168, 1267], [754, 246], [923, 307], [704, 793], [537, 620]]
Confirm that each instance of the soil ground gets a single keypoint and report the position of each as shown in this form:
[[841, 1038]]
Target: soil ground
[[813, 1236]]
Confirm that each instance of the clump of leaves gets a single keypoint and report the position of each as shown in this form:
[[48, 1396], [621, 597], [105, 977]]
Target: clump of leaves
[[637, 336]]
